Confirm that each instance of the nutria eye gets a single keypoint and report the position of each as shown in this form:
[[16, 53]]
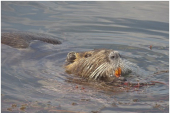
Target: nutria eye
[[87, 55]]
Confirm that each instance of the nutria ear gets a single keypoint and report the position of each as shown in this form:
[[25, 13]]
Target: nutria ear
[[71, 56]]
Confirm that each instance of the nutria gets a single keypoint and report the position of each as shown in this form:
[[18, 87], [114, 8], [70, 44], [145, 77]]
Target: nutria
[[99, 64], [22, 39]]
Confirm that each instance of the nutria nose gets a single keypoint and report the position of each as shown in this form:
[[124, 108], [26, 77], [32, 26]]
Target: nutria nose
[[114, 55], [117, 54]]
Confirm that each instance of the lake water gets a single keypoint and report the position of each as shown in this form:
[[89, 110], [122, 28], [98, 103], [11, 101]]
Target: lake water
[[33, 79]]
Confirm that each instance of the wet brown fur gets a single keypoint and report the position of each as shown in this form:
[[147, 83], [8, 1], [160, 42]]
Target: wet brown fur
[[95, 64], [22, 40]]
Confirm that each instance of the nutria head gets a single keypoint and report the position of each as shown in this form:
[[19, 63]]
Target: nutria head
[[102, 64]]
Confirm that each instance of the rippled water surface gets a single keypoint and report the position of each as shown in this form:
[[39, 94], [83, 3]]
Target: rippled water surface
[[33, 79]]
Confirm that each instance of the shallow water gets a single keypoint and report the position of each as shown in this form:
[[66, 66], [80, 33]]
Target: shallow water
[[33, 79]]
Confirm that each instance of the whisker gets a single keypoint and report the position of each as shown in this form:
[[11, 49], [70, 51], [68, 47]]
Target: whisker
[[96, 71], [101, 70]]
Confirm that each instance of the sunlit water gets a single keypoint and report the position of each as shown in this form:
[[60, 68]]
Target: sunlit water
[[34, 78]]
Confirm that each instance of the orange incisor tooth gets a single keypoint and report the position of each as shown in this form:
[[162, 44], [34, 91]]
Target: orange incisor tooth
[[118, 72]]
